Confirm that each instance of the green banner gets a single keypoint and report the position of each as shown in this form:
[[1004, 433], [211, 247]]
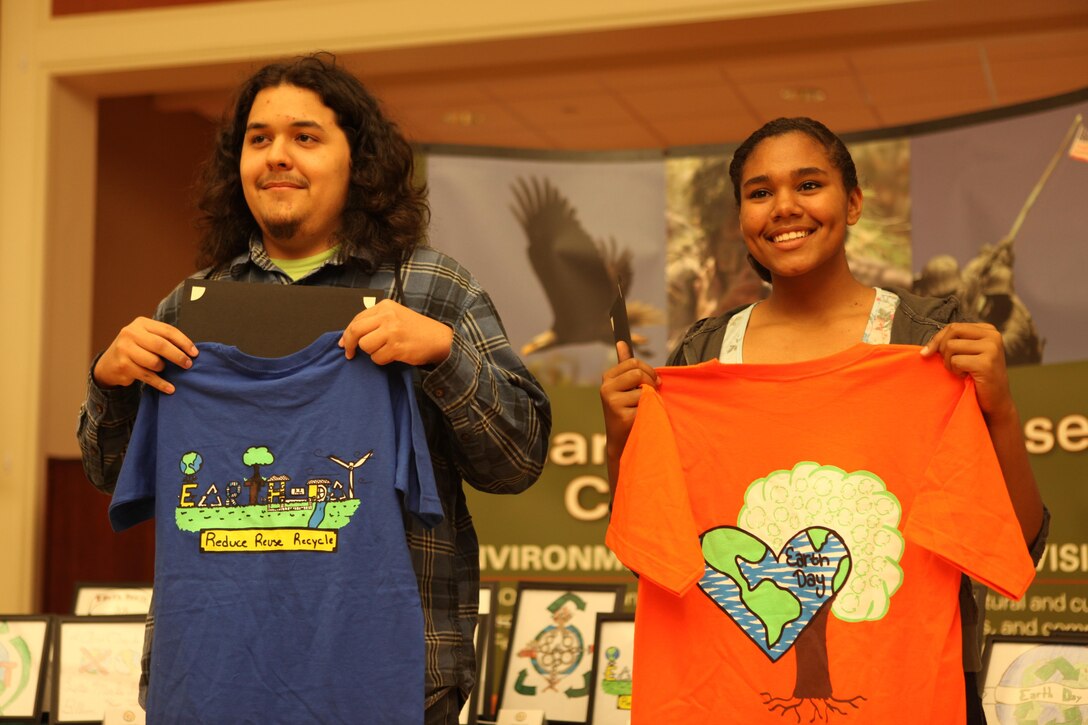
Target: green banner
[[555, 530], [1053, 405]]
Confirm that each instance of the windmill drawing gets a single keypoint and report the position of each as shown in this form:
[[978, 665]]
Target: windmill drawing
[[351, 469]]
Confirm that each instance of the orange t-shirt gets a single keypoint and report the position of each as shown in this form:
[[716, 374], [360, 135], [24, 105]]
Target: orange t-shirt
[[800, 530]]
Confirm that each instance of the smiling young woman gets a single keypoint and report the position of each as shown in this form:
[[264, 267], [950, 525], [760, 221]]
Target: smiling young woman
[[796, 207], [798, 195]]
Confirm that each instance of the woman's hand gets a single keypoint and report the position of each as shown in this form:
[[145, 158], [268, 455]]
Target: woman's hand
[[976, 349], [620, 393]]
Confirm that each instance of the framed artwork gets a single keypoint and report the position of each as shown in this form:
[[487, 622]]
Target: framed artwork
[[470, 712], [24, 653], [551, 646], [489, 592], [1035, 679], [96, 667], [489, 604], [613, 655], [108, 599]]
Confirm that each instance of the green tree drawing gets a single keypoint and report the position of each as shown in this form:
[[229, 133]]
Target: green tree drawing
[[256, 456], [866, 515]]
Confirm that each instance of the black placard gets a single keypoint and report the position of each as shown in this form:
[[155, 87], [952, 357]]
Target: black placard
[[268, 320]]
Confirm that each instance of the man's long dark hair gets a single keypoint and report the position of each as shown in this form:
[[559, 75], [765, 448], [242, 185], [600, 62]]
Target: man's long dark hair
[[385, 215]]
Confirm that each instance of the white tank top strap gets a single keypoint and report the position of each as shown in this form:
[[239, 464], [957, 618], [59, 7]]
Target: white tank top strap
[[733, 342], [878, 330]]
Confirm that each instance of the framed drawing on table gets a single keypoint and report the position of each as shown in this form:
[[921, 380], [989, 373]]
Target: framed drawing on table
[[96, 667], [489, 605], [613, 655], [1035, 679], [25, 643], [112, 598], [550, 649], [489, 592], [470, 712]]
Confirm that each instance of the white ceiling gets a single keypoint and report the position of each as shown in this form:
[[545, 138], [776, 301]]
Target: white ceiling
[[857, 69]]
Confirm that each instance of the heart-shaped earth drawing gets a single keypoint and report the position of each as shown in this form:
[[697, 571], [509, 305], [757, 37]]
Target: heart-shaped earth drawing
[[773, 597]]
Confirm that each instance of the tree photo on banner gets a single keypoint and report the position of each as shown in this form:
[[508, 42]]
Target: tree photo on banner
[[998, 219]]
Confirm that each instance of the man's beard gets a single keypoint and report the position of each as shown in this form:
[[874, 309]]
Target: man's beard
[[282, 228]]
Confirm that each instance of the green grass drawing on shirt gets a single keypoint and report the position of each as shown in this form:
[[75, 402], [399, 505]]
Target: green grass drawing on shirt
[[196, 518]]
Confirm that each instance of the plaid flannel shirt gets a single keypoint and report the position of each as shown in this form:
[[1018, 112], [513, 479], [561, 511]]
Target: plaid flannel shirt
[[487, 422]]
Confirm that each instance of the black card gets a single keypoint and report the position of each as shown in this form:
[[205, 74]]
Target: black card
[[268, 320], [621, 328]]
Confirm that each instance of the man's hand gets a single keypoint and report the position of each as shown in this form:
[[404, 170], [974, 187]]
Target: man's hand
[[620, 393], [976, 349], [140, 352], [390, 332]]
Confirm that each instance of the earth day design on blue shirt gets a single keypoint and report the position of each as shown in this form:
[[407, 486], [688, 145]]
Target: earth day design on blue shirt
[[275, 511]]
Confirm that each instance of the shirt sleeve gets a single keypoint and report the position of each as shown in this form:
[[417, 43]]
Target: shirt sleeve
[[963, 512], [954, 313], [652, 530], [134, 497], [415, 474], [108, 414], [105, 425], [496, 412]]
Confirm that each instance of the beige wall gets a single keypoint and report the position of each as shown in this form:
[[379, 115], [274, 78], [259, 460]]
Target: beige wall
[[52, 74]]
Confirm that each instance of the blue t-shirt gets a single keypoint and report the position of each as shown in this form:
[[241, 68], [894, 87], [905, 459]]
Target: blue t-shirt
[[284, 589]]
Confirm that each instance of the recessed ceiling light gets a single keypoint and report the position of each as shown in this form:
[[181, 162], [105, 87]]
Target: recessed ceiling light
[[805, 94], [463, 118]]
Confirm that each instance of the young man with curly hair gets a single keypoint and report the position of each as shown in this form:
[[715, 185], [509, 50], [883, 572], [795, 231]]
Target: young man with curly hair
[[310, 184]]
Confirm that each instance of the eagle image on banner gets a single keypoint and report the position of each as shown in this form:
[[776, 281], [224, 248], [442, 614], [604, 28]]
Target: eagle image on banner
[[551, 242], [579, 274]]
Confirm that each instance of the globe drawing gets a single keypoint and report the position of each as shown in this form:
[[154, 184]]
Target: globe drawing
[[1042, 680], [191, 463]]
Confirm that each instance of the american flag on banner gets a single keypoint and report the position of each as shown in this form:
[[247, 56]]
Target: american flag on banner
[[1079, 149]]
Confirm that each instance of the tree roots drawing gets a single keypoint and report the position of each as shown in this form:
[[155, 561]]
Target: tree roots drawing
[[819, 709]]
